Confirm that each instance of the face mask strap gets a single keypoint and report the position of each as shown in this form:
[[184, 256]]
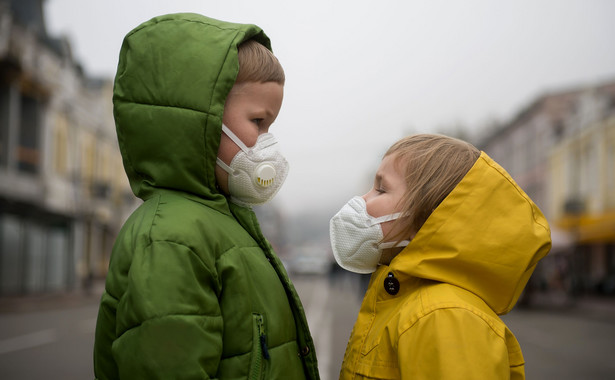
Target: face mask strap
[[224, 166], [385, 218], [393, 244], [235, 139]]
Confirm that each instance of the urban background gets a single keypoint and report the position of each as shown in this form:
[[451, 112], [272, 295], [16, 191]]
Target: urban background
[[64, 194]]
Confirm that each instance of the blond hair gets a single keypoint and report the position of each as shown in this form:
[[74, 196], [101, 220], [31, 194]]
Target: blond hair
[[258, 64], [432, 166]]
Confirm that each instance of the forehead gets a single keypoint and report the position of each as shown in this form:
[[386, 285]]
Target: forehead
[[390, 168], [255, 95], [390, 163]]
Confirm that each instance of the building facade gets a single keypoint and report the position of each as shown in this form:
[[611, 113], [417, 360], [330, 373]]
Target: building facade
[[63, 191], [561, 151]]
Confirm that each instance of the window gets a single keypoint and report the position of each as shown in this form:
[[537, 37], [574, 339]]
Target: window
[[4, 122], [88, 161], [610, 173], [28, 152], [60, 144]]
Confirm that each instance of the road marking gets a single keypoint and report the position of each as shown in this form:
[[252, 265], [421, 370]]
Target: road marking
[[324, 347], [320, 321], [26, 341]]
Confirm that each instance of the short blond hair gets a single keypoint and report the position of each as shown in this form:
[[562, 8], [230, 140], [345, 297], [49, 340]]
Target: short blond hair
[[432, 166], [258, 64]]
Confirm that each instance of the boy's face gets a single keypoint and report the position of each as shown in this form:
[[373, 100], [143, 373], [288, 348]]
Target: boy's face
[[388, 190], [250, 109]]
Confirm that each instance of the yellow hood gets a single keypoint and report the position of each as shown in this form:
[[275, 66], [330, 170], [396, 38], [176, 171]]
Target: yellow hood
[[486, 237]]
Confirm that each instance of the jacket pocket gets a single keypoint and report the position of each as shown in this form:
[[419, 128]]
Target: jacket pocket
[[260, 352], [378, 358]]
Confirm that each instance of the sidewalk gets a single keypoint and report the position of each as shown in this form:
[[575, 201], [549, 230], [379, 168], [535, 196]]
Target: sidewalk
[[43, 302], [601, 308], [594, 307]]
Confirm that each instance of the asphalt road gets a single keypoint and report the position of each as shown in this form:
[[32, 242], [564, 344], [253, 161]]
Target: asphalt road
[[563, 343], [53, 338], [51, 344]]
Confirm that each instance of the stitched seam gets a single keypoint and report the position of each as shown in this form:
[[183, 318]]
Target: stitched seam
[[129, 101], [167, 316], [459, 307], [516, 187], [138, 29]]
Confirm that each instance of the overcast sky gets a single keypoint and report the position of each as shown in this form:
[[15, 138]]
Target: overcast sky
[[362, 74]]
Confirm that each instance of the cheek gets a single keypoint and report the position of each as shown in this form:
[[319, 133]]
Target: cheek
[[375, 211], [227, 149], [222, 179], [379, 205]]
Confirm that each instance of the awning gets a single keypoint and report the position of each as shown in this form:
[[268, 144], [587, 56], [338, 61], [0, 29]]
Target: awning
[[590, 228]]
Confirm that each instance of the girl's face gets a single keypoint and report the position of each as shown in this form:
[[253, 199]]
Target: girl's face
[[388, 190]]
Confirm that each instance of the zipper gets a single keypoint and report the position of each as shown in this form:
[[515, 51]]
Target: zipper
[[259, 348]]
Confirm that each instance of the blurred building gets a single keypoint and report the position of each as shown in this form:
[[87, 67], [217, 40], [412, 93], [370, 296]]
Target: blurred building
[[63, 191], [561, 151]]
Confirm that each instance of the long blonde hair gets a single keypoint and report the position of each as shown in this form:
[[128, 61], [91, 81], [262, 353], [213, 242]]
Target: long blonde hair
[[432, 166]]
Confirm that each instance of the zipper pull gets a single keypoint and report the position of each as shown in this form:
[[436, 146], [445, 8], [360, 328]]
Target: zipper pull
[[262, 337], [263, 340]]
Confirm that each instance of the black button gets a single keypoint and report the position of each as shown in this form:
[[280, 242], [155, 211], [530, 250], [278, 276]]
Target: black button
[[305, 351], [391, 284]]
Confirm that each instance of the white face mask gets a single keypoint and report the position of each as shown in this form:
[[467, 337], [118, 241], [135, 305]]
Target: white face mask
[[257, 173], [356, 237]]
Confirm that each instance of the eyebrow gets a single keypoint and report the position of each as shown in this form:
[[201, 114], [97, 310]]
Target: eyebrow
[[380, 180], [261, 110]]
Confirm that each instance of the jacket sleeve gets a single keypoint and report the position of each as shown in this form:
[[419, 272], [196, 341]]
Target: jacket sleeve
[[169, 323], [453, 344]]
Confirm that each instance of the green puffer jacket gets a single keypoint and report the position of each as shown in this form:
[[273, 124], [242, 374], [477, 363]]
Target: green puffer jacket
[[194, 290]]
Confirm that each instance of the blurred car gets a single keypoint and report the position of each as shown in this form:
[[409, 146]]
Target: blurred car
[[309, 260]]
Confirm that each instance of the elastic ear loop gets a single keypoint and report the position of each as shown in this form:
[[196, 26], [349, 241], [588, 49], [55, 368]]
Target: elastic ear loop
[[224, 166], [235, 139], [384, 218], [388, 218], [393, 244]]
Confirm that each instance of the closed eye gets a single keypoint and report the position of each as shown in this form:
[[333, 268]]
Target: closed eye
[[378, 185], [257, 122]]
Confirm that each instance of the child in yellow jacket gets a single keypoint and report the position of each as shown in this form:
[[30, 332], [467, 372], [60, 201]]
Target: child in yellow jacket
[[451, 240]]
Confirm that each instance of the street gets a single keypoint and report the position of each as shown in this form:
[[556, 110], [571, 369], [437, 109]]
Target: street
[[52, 344], [56, 342], [564, 345], [561, 344]]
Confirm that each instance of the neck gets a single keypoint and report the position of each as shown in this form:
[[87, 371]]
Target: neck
[[389, 254]]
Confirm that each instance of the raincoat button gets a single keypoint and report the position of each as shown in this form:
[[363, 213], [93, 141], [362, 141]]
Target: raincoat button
[[391, 284], [305, 350]]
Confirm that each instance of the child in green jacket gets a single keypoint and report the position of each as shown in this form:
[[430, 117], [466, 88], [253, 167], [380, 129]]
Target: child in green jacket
[[194, 289]]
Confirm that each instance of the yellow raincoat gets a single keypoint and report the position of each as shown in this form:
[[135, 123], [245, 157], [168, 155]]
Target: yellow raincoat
[[433, 312]]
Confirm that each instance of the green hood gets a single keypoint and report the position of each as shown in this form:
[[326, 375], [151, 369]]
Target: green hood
[[173, 77]]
